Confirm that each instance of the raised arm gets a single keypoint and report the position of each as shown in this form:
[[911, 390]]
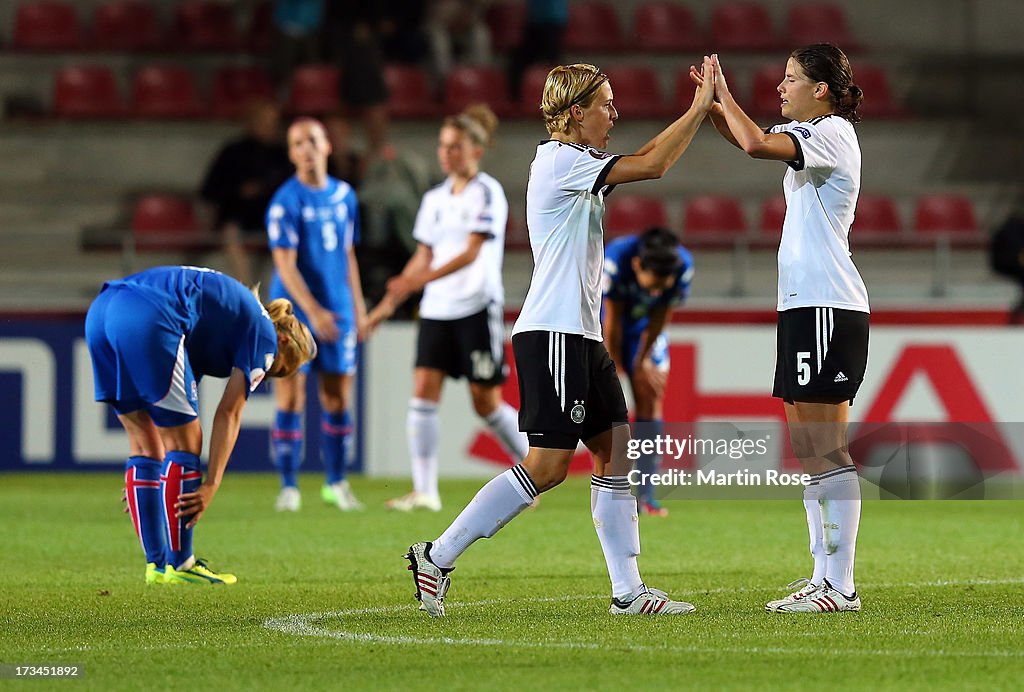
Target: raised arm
[[655, 158], [747, 134]]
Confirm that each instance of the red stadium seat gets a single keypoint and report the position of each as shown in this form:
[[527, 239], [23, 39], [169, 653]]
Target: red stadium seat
[[235, 87], [665, 27], [46, 25], [940, 213], [505, 21], [202, 25], [531, 90], [593, 26], [765, 99], [466, 85], [86, 91], [633, 214], [127, 25], [314, 89], [876, 214], [165, 91], [879, 101], [261, 34], [818, 22], [714, 214], [517, 236], [409, 94], [165, 222], [742, 26], [773, 213], [636, 92]]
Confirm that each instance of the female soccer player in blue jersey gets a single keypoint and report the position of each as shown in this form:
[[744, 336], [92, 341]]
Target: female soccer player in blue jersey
[[313, 225], [152, 336], [645, 276]]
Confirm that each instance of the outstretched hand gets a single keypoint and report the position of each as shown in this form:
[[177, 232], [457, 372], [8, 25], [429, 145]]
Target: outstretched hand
[[704, 96], [698, 75]]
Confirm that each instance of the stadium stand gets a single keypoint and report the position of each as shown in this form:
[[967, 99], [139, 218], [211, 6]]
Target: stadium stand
[[665, 27], [594, 26], [165, 91], [314, 89], [87, 91], [742, 26], [633, 214], [126, 25], [47, 25]]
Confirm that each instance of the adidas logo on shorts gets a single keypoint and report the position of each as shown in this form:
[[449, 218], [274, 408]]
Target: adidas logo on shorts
[[841, 377]]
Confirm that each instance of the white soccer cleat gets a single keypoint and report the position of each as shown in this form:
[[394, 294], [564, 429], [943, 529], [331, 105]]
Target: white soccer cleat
[[288, 500], [804, 588], [651, 602], [413, 501], [345, 498], [431, 581], [824, 600]]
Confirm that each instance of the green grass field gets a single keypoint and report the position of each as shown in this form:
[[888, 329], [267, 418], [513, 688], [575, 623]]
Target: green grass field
[[324, 600]]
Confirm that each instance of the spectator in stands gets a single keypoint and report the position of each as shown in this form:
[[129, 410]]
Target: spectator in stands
[[345, 163], [298, 25], [645, 277], [1006, 257], [460, 228], [543, 34], [152, 336], [353, 30], [240, 182], [456, 33]]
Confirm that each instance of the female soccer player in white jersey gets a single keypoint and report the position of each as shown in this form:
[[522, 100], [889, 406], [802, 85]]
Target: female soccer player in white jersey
[[567, 381], [822, 302], [460, 228]]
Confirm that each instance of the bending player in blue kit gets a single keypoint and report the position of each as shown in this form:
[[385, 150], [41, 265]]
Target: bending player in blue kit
[[644, 278], [152, 336], [313, 226]]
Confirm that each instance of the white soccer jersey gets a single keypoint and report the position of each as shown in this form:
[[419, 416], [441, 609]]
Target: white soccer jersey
[[821, 188], [444, 223], [564, 208]]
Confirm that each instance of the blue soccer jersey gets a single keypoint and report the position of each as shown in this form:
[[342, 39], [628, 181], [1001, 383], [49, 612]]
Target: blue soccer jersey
[[620, 284], [155, 334], [320, 225]]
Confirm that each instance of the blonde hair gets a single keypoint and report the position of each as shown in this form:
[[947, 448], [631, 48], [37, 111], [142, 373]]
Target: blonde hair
[[477, 121], [298, 347], [565, 87]]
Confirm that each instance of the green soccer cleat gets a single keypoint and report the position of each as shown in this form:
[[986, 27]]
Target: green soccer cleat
[[327, 495], [154, 574], [200, 573]]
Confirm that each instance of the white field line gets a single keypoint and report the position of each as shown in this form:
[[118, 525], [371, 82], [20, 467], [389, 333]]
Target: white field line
[[305, 625]]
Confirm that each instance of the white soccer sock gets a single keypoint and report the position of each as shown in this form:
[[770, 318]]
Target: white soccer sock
[[618, 529], [504, 423], [839, 498], [494, 505], [814, 529], [423, 431]]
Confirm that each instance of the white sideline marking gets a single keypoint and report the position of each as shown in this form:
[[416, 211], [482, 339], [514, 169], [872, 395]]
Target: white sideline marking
[[308, 625]]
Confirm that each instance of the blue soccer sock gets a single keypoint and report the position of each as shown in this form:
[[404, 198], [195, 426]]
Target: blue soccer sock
[[286, 438], [181, 474], [649, 464], [145, 504], [335, 431]]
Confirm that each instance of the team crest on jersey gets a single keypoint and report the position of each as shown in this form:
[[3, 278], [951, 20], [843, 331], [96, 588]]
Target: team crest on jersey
[[578, 413], [804, 132], [193, 393]]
